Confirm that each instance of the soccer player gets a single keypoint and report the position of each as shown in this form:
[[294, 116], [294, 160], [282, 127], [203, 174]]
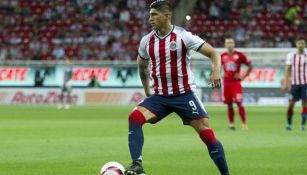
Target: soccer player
[[168, 48], [233, 92], [296, 68], [66, 86]]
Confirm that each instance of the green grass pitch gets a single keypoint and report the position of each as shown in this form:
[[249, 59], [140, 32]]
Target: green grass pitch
[[43, 140]]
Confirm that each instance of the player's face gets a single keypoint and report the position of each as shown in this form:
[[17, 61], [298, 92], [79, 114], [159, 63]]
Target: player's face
[[229, 44], [300, 44], [157, 19]]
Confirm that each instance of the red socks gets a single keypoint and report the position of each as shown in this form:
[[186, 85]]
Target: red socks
[[136, 117], [231, 114], [208, 137], [242, 114]]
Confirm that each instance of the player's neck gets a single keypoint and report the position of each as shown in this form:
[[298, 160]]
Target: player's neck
[[300, 51], [164, 30], [230, 51]]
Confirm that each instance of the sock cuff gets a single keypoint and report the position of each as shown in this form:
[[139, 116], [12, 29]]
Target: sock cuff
[[208, 137], [137, 117]]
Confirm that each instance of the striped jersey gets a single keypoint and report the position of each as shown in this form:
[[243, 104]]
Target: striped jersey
[[298, 67], [68, 72], [170, 60]]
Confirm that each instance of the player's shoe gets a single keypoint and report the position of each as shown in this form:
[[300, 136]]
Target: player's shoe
[[288, 128], [244, 127], [60, 106], [232, 128], [67, 106], [302, 128], [135, 169]]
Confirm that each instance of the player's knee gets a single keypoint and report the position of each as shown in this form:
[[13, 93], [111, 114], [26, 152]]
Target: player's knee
[[230, 105], [239, 103], [199, 125], [136, 117]]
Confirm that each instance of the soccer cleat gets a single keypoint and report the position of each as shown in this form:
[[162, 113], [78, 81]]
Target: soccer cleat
[[232, 128], [302, 128], [288, 128], [244, 127], [135, 169]]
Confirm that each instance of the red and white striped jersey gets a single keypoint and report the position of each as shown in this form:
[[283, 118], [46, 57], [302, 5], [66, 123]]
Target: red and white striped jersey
[[298, 63], [170, 60]]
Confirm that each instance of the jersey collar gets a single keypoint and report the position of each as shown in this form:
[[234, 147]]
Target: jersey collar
[[166, 34]]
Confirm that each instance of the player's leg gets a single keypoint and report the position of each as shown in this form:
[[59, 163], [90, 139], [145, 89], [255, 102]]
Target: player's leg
[[238, 96], [294, 96], [68, 99], [304, 114], [137, 119], [61, 100], [228, 100], [231, 114], [215, 148], [304, 106], [192, 112], [148, 111], [290, 114]]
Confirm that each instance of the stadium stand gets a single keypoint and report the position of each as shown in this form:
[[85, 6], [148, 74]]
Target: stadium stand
[[111, 30], [253, 23]]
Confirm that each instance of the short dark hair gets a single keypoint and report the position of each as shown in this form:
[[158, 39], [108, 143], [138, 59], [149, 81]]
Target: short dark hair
[[299, 38], [161, 5], [228, 37]]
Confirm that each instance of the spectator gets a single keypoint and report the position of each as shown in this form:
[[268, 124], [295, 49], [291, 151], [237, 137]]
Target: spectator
[[214, 11], [3, 52], [292, 14], [225, 8], [58, 52], [124, 15], [247, 14]]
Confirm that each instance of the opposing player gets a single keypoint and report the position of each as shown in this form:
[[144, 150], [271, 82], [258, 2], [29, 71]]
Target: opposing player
[[297, 70], [168, 48], [66, 86], [233, 92]]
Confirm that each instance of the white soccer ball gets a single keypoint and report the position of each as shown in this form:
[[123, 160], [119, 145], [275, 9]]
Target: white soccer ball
[[112, 168]]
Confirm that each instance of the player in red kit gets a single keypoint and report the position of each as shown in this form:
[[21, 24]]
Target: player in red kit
[[233, 93]]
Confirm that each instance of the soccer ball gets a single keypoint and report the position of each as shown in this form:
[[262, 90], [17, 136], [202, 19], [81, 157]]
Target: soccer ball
[[112, 168]]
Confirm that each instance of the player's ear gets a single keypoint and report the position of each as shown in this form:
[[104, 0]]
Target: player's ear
[[168, 15]]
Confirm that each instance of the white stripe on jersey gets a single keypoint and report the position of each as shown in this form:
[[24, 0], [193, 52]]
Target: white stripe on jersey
[[298, 64], [173, 74]]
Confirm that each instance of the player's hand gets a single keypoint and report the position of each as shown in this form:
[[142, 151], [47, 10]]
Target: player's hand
[[215, 80], [148, 94], [285, 87], [239, 77]]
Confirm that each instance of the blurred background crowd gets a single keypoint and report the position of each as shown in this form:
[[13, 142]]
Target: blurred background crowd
[[111, 30]]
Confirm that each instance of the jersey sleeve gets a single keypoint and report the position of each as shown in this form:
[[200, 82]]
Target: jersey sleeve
[[222, 60], [244, 59], [288, 59], [142, 49], [192, 42]]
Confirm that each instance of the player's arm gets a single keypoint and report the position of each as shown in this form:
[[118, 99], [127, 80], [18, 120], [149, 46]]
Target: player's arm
[[285, 85], [249, 69], [210, 52], [144, 73]]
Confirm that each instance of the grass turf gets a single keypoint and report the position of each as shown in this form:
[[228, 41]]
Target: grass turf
[[44, 140]]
